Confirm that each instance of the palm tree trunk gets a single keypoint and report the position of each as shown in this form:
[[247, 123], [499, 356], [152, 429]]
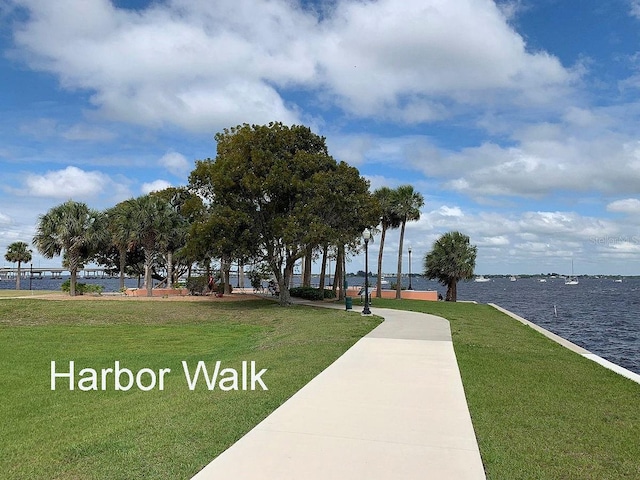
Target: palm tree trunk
[[399, 277], [148, 259], [72, 287], [123, 264], [19, 275], [379, 279], [169, 269]]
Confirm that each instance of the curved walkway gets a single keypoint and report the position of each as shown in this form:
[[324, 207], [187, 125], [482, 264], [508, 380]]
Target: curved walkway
[[392, 407]]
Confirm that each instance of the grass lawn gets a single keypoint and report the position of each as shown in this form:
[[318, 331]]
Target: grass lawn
[[539, 410], [168, 434]]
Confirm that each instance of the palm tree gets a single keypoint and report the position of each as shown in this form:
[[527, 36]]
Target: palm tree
[[153, 223], [452, 259], [121, 230], [408, 203], [18, 252], [388, 219], [71, 228]]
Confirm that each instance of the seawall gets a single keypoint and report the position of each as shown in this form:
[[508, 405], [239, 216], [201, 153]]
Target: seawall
[[572, 346]]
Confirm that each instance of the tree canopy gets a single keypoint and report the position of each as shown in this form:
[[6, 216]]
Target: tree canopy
[[282, 181], [72, 229], [451, 259], [18, 252]]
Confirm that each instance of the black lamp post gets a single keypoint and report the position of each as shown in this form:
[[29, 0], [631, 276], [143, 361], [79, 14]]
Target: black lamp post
[[30, 274], [410, 287], [366, 235]]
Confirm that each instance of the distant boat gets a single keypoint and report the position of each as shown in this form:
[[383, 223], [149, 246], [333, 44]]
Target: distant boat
[[618, 280], [571, 280], [512, 278], [542, 280], [481, 279]]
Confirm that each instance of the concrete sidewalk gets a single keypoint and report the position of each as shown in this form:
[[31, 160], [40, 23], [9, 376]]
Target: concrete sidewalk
[[391, 407]]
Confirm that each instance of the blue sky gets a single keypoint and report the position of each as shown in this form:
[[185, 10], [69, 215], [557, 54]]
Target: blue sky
[[517, 120]]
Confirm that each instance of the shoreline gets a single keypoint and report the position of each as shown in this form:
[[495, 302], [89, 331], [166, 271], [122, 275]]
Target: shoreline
[[572, 346]]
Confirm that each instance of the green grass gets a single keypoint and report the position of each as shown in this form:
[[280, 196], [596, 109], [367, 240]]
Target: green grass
[[168, 434], [539, 410]]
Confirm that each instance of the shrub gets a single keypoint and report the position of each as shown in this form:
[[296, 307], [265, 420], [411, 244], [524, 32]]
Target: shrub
[[310, 293], [81, 288], [196, 285]]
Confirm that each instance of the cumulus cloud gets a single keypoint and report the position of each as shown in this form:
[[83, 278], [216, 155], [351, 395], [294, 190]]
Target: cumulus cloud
[[628, 205], [201, 65], [70, 182], [154, 186], [176, 163]]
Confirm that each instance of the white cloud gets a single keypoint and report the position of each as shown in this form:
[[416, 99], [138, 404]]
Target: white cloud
[[70, 182], [154, 186], [204, 65], [628, 205], [176, 163]]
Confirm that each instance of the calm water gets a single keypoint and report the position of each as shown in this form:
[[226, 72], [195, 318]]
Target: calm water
[[598, 314]]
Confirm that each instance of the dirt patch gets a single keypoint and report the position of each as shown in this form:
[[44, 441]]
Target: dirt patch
[[234, 297]]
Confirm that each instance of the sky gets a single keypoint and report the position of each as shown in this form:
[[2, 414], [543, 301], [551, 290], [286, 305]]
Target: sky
[[517, 120]]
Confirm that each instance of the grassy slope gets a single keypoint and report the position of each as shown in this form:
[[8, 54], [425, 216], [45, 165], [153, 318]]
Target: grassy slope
[[158, 434], [539, 410]]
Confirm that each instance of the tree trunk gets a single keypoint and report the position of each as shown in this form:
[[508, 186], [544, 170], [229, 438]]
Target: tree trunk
[[148, 281], [123, 263], [340, 272], [18, 277], [241, 275], [325, 252], [379, 279], [72, 287], [452, 291], [283, 283], [307, 267], [399, 277], [169, 269]]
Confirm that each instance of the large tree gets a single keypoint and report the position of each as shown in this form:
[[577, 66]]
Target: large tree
[[18, 252], [280, 178], [408, 203], [71, 229], [386, 199], [451, 259]]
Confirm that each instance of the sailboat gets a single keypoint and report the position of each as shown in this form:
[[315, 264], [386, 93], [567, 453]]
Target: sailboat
[[571, 280]]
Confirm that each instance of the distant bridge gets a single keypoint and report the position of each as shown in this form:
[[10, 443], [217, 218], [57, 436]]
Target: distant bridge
[[7, 273]]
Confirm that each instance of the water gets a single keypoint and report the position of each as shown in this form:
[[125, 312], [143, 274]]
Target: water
[[598, 314]]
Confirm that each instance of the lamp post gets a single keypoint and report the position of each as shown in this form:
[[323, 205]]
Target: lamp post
[[366, 235], [30, 274], [410, 287]]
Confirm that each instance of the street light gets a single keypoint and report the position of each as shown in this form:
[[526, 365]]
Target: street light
[[410, 287], [30, 274], [366, 235]]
